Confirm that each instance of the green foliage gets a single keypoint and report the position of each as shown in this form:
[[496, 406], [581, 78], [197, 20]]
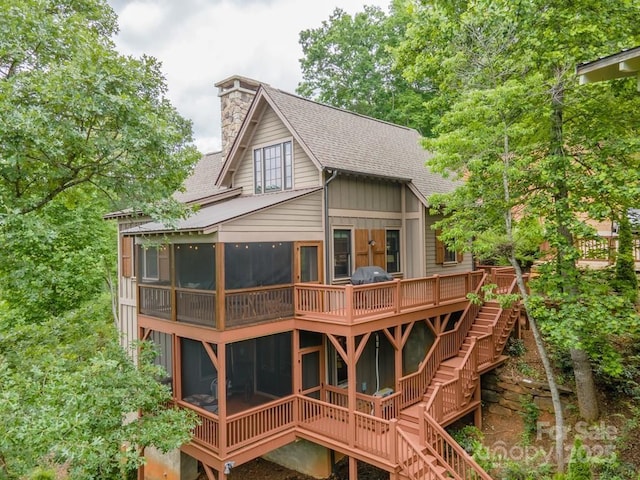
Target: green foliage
[[347, 63], [626, 281], [530, 415], [68, 388], [76, 112], [515, 347], [49, 253], [579, 467], [590, 319]]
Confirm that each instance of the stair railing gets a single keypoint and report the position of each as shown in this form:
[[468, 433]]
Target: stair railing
[[413, 462], [446, 346], [452, 456]]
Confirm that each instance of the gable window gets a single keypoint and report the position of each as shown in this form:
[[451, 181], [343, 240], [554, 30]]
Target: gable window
[[393, 251], [341, 253], [273, 168]]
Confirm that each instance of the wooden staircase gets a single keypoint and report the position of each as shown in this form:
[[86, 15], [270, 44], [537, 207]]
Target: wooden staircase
[[426, 451]]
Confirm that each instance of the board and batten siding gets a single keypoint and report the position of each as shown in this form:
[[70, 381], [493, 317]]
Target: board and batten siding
[[270, 131], [357, 193], [127, 296], [298, 219], [442, 269]]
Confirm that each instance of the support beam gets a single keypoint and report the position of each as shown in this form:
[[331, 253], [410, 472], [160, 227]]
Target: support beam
[[353, 468]]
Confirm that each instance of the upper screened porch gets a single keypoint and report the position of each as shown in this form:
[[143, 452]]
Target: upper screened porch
[[224, 286]]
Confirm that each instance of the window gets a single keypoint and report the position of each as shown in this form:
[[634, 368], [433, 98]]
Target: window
[[450, 256], [273, 168], [444, 254], [150, 267], [341, 253], [393, 251]]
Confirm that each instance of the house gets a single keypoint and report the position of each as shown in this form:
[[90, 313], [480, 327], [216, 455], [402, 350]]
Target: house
[[251, 306], [601, 251]]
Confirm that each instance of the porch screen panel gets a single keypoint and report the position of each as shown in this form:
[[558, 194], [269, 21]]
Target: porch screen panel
[[198, 373], [274, 365], [196, 266], [249, 265]]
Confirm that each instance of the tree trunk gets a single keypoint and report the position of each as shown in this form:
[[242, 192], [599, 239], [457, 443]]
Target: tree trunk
[[553, 387], [585, 386], [548, 370]]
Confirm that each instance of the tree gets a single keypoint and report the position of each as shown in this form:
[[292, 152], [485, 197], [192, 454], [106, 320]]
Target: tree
[[348, 63], [528, 143], [626, 280], [76, 112], [57, 258], [67, 389]]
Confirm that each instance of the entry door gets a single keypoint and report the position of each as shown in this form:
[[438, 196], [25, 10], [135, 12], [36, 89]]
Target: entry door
[[311, 363], [308, 262]]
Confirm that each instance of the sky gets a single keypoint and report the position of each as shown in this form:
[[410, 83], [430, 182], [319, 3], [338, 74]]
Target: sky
[[200, 42]]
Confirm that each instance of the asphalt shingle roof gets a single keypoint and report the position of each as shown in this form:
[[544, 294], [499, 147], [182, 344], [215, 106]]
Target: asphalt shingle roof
[[207, 217], [351, 142], [201, 183]]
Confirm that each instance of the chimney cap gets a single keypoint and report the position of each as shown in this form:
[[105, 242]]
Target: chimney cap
[[238, 82]]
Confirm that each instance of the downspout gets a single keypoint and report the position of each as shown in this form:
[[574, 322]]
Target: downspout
[[327, 230]]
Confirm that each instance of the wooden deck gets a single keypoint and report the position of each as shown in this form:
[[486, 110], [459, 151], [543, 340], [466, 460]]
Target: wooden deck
[[402, 433]]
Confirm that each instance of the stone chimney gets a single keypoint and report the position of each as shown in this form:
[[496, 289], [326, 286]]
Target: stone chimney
[[236, 94]]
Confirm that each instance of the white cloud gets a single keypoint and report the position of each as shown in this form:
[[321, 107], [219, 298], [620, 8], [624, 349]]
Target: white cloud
[[201, 42]]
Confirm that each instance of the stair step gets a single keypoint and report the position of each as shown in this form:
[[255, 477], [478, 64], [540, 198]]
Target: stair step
[[453, 362]]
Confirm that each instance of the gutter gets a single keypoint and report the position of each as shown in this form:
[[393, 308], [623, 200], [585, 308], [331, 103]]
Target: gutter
[[327, 230]]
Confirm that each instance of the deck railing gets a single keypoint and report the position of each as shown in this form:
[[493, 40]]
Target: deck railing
[[199, 306], [451, 455], [351, 304], [260, 422], [446, 346]]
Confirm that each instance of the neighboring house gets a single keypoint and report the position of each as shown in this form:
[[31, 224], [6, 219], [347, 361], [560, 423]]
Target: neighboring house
[[601, 251], [250, 303]]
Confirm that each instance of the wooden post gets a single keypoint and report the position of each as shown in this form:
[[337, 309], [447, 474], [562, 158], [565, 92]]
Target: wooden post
[[220, 288], [393, 440], [477, 414], [353, 469], [398, 295], [422, 435], [348, 303], [398, 356], [436, 288], [297, 374], [351, 388], [222, 398]]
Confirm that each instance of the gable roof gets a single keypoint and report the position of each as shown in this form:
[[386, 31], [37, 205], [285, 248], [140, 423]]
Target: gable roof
[[200, 184], [209, 217], [336, 139]]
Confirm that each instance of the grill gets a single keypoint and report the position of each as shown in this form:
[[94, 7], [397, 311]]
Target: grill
[[370, 274]]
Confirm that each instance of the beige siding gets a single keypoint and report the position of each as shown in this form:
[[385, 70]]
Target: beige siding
[[413, 204], [271, 130], [355, 193], [127, 298], [414, 258], [441, 269], [303, 214]]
